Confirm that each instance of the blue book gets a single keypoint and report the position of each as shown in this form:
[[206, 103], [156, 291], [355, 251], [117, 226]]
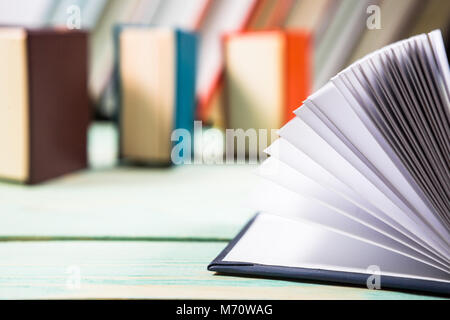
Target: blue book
[[154, 81]]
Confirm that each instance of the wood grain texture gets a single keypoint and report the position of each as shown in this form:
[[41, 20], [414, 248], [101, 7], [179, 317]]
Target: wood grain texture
[[38, 270]]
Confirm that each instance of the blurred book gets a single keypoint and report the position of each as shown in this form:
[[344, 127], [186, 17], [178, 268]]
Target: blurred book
[[340, 38], [223, 16], [265, 15], [269, 14], [186, 15], [308, 14], [101, 44], [355, 190], [435, 14], [267, 77], [27, 13], [262, 13], [326, 19], [396, 18], [89, 10], [45, 112], [157, 91]]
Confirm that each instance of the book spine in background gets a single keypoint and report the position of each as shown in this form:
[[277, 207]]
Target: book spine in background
[[186, 63], [298, 70], [279, 14], [263, 15], [202, 14], [290, 53], [204, 99], [101, 46], [260, 16]]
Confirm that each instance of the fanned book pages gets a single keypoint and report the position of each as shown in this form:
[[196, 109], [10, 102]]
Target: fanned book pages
[[356, 189]]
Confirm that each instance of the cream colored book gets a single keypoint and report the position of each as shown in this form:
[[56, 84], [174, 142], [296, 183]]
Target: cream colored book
[[395, 18], [44, 108], [157, 90], [255, 80], [14, 111], [147, 93], [267, 77]]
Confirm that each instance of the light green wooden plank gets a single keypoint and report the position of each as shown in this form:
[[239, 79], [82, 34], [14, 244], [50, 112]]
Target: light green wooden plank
[[189, 201], [37, 270], [198, 201]]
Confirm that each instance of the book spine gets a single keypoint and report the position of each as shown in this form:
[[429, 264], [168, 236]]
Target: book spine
[[186, 53], [298, 70]]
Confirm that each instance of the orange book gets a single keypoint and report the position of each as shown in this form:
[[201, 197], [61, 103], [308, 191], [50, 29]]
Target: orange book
[[268, 75], [298, 69], [264, 15]]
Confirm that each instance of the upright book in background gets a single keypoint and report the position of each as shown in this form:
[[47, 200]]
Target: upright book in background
[[261, 16], [186, 15], [269, 14], [268, 75], [101, 47], [396, 18], [356, 189], [308, 14], [340, 38], [44, 112], [223, 16], [157, 90], [434, 14]]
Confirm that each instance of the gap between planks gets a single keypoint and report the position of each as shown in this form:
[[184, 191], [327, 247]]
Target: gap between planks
[[109, 238]]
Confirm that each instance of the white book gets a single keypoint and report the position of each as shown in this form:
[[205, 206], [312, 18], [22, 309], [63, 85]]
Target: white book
[[357, 188]]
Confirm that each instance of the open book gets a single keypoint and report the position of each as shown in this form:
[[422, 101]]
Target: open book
[[357, 187]]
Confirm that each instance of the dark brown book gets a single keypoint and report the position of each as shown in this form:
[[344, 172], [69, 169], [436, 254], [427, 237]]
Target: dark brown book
[[44, 106]]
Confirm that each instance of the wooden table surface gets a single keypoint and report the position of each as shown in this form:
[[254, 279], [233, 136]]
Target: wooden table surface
[[121, 232]]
